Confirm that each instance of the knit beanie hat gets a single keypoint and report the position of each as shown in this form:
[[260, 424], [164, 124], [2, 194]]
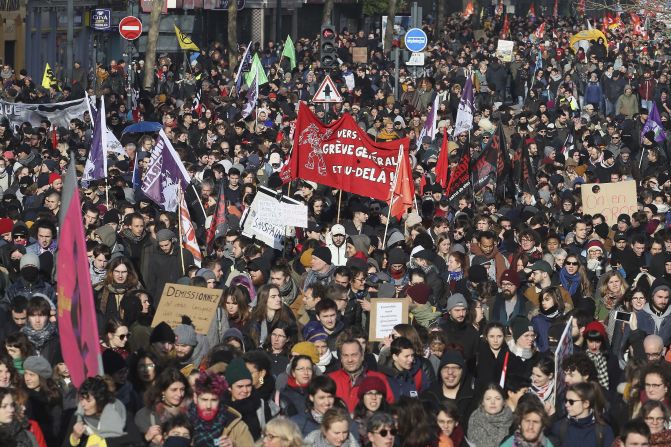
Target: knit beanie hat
[[519, 326], [6, 225], [397, 256], [456, 300], [237, 371], [595, 331], [371, 383], [113, 362], [452, 357], [308, 349], [185, 334], [314, 331], [39, 365], [29, 259], [511, 276], [419, 293], [322, 253], [162, 333], [306, 257], [594, 244]]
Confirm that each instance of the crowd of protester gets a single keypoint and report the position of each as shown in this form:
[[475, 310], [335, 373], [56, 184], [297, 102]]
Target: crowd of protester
[[492, 282]]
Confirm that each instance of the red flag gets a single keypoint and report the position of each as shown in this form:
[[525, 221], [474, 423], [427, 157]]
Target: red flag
[[422, 184], [77, 324], [636, 22], [505, 30], [404, 187], [555, 10], [54, 138], [532, 11], [218, 218], [443, 165], [540, 31], [469, 9]]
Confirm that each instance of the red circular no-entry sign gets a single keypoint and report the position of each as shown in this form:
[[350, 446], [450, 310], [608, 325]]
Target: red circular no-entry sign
[[130, 27]]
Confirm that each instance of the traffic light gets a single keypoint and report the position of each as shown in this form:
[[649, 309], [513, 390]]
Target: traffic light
[[327, 47]]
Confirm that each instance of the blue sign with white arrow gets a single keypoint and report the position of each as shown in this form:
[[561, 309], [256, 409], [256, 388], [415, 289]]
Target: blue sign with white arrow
[[415, 40]]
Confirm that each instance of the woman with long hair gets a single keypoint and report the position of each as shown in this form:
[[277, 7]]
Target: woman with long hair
[[321, 397], [609, 293], [618, 330], [490, 422], [121, 278], [45, 403], [169, 396], [143, 369], [9, 376], [13, 426], [269, 310], [136, 313], [19, 348], [233, 312], [550, 310], [542, 380], [584, 405], [415, 426], [492, 351], [116, 337], [573, 278], [457, 271]]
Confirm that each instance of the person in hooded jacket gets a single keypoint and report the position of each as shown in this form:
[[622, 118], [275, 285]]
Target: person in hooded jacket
[[458, 329], [29, 282], [100, 419]]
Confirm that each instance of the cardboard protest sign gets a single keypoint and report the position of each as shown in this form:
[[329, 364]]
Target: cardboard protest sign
[[264, 225], [385, 313], [609, 199], [359, 55], [504, 50], [198, 303]]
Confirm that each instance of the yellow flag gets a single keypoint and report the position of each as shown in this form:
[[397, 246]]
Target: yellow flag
[[185, 42], [49, 80]]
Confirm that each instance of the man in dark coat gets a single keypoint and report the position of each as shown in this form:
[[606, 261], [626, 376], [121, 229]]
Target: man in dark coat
[[457, 329], [165, 265]]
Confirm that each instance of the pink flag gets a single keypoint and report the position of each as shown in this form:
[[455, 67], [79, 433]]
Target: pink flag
[[77, 324]]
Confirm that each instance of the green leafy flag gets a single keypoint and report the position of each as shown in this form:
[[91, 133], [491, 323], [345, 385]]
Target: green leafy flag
[[289, 51], [256, 68]]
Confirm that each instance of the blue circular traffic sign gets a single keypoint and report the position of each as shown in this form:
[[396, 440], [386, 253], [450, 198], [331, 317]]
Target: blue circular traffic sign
[[415, 40]]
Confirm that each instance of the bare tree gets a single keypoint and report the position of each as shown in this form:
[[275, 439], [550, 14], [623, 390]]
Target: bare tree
[[389, 32], [152, 41], [655, 9], [232, 33], [440, 19]]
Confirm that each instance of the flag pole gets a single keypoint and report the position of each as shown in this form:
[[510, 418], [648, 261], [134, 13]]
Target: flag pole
[[179, 227], [107, 194], [391, 193], [339, 203]]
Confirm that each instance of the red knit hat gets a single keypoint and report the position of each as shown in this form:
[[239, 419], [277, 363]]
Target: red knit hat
[[6, 225], [371, 383], [595, 244], [512, 276], [53, 177], [594, 330]]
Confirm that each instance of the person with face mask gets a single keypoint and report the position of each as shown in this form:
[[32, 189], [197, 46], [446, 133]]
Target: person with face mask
[[29, 282]]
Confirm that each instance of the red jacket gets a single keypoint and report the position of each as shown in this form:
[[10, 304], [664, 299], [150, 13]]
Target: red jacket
[[349, 393], [37, 432]]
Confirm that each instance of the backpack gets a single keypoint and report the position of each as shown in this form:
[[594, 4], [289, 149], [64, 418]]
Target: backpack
[[563, 430]]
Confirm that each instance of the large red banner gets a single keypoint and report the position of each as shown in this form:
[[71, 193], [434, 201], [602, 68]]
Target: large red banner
[[342, 156]]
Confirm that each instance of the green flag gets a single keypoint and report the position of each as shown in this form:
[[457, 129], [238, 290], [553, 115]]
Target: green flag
[[256, 68], [289, 51]]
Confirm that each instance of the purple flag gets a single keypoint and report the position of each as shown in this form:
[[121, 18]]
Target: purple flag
[[77, 324], [464, 121], [165, 175], [431, 124], [252, 97], [96, 163], [654, 124]]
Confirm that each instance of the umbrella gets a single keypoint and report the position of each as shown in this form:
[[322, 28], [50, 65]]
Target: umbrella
[[143, 127], [586, 34]]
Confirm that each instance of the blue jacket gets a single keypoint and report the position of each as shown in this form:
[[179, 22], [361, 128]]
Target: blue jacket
[[646, 323], [408, 383], [499, 308], [593, 93], [541, 325], [582, 432]]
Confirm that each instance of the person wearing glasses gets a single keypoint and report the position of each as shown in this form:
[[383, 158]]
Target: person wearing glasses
[[584, 424], [120, 278], [380, 430], [654, 385], [116, 337], [656, 416]]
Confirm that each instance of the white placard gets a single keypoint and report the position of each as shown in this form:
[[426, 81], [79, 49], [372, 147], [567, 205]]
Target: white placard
[[270, 233], [272, 210], [385, 314], [504, 50]]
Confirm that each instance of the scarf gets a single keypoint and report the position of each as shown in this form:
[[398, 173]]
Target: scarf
[[550, 313], [131, 237], [544, 393], [317, 416], [499, 261], [41, 337], [570, 282], [205, 433], [488, 430], [324, 361], [601, 365], [19, 431], [288, 292], [518, 441], [522, 353], [97, 275], [456, 276], [318, 440]]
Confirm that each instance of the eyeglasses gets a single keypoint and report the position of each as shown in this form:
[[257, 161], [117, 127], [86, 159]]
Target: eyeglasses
[[384, 432], [147, 366], [654, 419], [120, 272], [19, 236], [122, 336], [572, 263], [278, 335], [270, 436], [654, 385], [572, 401], [303, 369]]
